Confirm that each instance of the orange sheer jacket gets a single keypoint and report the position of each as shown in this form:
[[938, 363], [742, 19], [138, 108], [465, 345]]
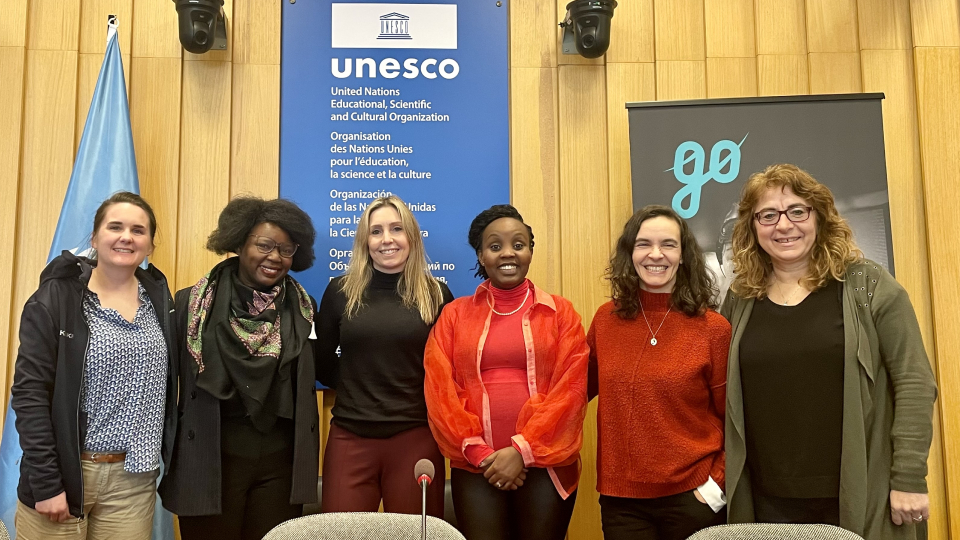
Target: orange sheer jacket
[[550, 425]]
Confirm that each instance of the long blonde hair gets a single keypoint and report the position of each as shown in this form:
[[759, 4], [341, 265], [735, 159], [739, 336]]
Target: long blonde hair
[[833, 251], [418, 288]]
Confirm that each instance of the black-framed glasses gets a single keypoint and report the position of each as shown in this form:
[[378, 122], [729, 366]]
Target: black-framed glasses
[[266, 245], [795, 214]]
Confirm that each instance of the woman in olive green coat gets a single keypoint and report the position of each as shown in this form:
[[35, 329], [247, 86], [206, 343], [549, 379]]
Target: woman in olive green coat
[[829, 391]]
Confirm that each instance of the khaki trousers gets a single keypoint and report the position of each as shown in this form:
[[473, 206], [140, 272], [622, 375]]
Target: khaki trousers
[[116, 505]]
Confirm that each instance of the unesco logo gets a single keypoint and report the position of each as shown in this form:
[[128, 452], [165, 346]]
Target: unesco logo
[[691, 151], [394, 26]]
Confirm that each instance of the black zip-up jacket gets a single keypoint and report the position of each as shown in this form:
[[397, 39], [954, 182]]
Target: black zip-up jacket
[[49, 371]]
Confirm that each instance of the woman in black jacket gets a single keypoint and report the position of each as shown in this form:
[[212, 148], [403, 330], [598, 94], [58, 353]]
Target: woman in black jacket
[[247, 449], [95, 386]]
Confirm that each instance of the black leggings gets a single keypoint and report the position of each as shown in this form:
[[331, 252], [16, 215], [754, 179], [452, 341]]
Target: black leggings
[[534, 512]]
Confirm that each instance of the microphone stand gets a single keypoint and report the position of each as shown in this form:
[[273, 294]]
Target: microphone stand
[[423, 510]]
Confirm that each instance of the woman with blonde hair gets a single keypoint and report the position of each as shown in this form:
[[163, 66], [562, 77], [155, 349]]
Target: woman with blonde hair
[[379, 314], [829, 390]]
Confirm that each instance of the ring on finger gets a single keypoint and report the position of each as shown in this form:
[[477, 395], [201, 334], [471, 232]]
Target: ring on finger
[[499, 485], [918, 518]]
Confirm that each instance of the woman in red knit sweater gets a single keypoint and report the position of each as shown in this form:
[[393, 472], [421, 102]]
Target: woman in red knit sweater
[[506, 392], [658, 360]]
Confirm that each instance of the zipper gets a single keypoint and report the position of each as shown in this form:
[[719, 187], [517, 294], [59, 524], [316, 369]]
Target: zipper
[[83, 366]]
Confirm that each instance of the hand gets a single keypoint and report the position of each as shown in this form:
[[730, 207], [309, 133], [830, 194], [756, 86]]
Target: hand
[[55, 508], [696, 493], [503, 467], [906, 507], [517, 482]]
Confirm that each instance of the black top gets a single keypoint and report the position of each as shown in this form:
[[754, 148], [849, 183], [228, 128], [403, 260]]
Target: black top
[[791, 368], [379, 375]]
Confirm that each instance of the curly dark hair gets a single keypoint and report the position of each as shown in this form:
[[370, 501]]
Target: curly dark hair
[[694, 291], [243, 213], [479, 224]]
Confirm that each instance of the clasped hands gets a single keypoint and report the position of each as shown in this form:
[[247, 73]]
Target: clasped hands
[[504, 469]]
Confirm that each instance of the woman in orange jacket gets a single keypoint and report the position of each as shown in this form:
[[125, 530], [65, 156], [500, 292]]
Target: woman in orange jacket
[[506, 373]]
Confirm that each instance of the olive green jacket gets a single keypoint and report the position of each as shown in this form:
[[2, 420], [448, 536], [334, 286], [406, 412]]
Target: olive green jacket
[[885, 370]]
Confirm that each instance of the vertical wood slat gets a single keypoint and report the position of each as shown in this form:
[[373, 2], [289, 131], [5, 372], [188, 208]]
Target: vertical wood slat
[[938, 96], [534, 167], [731, 77], [891, 72], [680, 33], [834, 73], [255, 130], [884, 24], [533, 29], [782, 75], [13, 24], [729, 28], [781, 28], [256, 32], [53, 25], [935, 23], [632, 32], [681, 79], [832, 26], [49, 110], [11, 120], [584, 205], [204, 163], [154, 30], [625, 83], [154, 93]]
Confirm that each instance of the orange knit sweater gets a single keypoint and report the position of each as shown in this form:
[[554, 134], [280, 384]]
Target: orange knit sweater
[[661, 408]]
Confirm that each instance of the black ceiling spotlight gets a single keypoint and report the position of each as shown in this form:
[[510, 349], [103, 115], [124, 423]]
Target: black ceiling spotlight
[[586, 27], [202, 25]]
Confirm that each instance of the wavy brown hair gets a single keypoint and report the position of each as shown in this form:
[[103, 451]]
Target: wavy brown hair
[[833, 251], [417, 287], [693, 292]]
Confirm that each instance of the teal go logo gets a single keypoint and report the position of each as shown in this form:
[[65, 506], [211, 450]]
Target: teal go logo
[[693, 182]]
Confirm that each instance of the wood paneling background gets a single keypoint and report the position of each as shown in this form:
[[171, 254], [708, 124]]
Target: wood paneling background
[[207, 128]]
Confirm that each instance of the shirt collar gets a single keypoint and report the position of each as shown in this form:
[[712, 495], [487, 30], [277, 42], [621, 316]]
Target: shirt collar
[[484, 295]]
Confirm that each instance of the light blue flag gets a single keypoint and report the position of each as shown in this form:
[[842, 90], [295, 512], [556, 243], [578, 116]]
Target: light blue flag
[[105, 164]]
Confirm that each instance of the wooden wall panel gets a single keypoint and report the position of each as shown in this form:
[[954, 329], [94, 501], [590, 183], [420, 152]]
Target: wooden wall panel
[[155, 29], [256, 31], [154, 92], [780, 27], [585, 248], [782, 75], [884, 24], [93, 24], [255, 128], [729, 28], [731, 77], [891, 72], [11, 120], [681, 80], [533, 29], [13, 24], [46, 162], [204, 164], [534, 166], [625, 83], [832, 26], [679, 29], [935, 23], [834, 73], [938, 108], [53, 25], [632, 33]]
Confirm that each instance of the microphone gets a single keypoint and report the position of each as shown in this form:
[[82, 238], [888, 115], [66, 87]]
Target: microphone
[[423, 471]]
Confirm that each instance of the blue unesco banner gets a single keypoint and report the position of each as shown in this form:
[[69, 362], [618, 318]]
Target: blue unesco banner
[[401, 98]]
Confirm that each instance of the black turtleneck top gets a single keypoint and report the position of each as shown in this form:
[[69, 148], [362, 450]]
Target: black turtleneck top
[[379, 373]]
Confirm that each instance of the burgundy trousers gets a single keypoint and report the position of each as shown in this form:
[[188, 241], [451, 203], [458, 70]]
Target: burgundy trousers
[[358, 472]]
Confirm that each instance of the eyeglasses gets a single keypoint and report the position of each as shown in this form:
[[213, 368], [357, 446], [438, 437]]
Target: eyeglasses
[[795, 214], [266, 245]]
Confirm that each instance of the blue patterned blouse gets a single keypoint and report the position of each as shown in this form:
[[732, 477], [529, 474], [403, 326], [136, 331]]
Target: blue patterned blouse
[[124, 383]]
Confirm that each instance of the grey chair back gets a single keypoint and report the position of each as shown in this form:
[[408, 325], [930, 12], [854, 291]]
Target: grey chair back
[[771, 531], [362, 526]]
